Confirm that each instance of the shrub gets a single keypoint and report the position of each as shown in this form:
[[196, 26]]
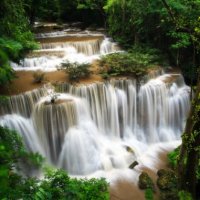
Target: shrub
[[12, 154], [38, 76], [132, 63], [148, 194], [56, 183], [183, 195], [172, 157], [6, 72], [76, 71]]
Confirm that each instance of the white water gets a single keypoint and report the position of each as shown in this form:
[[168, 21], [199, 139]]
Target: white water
[[90, 127], [97, 129], [78, 50]]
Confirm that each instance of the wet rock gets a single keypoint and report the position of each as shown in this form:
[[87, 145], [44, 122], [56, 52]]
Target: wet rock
[[133, 164], [167, 182], [145, 182], [129, 149], [169, 195], [167, 179]]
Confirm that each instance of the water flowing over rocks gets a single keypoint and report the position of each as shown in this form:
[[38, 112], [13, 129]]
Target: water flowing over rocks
[[60, 46], [100, 127], [114, 129]]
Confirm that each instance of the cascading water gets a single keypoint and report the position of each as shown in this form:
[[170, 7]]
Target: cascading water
[[85, 129], [98, 129], [58, 47]]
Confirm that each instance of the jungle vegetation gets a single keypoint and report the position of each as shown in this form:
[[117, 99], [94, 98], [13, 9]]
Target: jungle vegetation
[[171, 27]]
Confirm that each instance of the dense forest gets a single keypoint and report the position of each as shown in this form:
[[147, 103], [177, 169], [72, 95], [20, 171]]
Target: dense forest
[[167, 29]]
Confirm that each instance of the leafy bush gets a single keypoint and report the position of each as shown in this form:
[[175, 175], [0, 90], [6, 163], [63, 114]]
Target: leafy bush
[[172, 157], [12, 154], [148, 194], [76, 71], [6, 72], [38, 76], [132, 63], [183, 195], [56, 184], [9, 50]]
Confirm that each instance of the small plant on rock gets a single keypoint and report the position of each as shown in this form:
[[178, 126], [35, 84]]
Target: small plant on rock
[[38, 76], [76, 71]]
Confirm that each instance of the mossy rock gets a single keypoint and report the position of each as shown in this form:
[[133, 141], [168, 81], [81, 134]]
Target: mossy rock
[[163, 172], [145, 182], [169, 195], [167, 180]]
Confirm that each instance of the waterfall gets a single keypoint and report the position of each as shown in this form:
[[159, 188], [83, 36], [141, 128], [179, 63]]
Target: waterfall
[[100, 126], [24, 127], [86, 47], [23, 103], [59, 47]]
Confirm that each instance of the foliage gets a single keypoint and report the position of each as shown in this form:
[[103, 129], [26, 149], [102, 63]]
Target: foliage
[[183, 195], [3, 100], [45, 10], [38, 76], [76, 71], [56, 184], [171, 26], [14, 24], [148, 194], [12, 155], [9, 49], [172, 157], [16, 38], [132, 63]]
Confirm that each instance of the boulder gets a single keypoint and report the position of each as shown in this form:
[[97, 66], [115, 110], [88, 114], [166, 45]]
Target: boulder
[[167, 179], [145, 182], [167, 182]]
